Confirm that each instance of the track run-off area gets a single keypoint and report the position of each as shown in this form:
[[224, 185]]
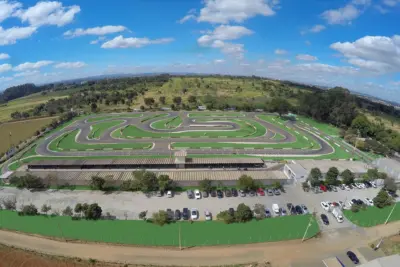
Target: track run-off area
[[199, 133]]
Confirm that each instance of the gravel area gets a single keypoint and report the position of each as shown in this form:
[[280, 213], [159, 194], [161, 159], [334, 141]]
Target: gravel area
[[127, 205]]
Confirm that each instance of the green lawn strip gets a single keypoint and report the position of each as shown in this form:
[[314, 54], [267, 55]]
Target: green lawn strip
[[373, 216], [147, 234], [197, 145], [168, 123], [99, 128], [248, 128], [323, 127], [116, 116], [153, 117], [216, 114], [67, 142]]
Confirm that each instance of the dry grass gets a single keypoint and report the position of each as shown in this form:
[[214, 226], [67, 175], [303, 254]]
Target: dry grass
[[391, 245], [20, 131], [388, 121]]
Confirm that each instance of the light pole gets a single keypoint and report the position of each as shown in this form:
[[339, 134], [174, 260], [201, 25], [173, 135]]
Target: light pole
[[390, 214], [308, 226]]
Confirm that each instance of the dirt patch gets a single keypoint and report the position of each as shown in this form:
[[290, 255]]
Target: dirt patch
[[391, 245]]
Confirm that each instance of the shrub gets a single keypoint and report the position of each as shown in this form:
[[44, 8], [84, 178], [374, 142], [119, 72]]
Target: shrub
[[226, 217], [243, 213], [29, 210], [382, 199], [160, 217]]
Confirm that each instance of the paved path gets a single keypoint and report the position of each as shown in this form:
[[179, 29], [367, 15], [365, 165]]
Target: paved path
[[278, 253]]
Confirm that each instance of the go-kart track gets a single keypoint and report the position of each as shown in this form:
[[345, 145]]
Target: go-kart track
[[196, 132]]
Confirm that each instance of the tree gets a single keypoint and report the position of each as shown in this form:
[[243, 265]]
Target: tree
[[177, 100], [45, 208], [97, 183], [382, 199], [276, 185], [226, 217], [245, 182], [162, 100], [372, 174], [93, 107], [145, 181], [93, 212], [390, 184], [331, 176], [160, 217], [280, 105], [142, 215], [305, 186], [192, 99], [164, 182], [67, 211], [347, 176], [205, 185], [149, 101], [243, 213], [78, 208], [361, 124], [315, 177], [28, 181], [10, 203], [29, 210], [259, 211]]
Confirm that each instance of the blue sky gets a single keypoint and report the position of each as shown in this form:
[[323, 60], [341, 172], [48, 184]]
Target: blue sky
[[350, 43]]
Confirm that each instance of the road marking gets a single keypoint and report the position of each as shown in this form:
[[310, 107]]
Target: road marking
[[89, 149], [205, 147], [287, 148], [315, 128], [305, 138], [222, 137], [227, 148], [347, 151], [126, 148], [249, 148], [337, 144], [280, 122], [107, 148], [297, 132]]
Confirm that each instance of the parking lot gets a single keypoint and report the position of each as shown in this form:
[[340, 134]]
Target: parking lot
[[127, 205]]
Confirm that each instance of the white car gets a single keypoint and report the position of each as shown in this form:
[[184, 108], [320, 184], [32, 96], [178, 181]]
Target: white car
[[197, 194], [373, 184], [347, 187], [339, 218], [194, 214], [169, 194], [368, 201], [325, 206], [349, 203], [276, 209], [207, 214]]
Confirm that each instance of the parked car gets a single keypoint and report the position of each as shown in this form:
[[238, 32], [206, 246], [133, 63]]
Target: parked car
[[304, 209], [373, 184], [325, 205], [178, 215], [334, 188], [354, 201], [228, 193], [234, 192], [342, 186], [213, 193], [283, 212], [329, 188], [252, 193], [291, 208], [276, 209], [325, 219], [197, 194], [242, 193], [170, 214], [277, 192], [194, 214], [360, 202], [270, 192], [185, 214], [367, 184], [347, 187], [190, 194], [341, 204], [231, 211], [204, 193], [208, 216], [160, 193], [267, 213], [352, 257], [220, 194], [169, 194], [299, 210], [323, 188], [260, 192]]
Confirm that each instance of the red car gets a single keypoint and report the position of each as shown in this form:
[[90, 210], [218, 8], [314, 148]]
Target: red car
[[260, 192], [323, 188]]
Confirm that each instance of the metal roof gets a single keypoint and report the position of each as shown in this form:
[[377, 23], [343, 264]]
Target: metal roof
[[341, 165], [181, 153]]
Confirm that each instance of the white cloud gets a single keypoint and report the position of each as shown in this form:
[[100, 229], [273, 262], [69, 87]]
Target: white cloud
[[375, 53], [306, 57], [381, 9], [225, 11], [7, 9], [391, 3], [219, 61], [5, 67], [70, 65], [395, 83], [101, 38], [6, 79], [314, 29], [26, 73], [280, 52], [104, 30], [121, 42], [307, 42], [346, 14], [190, 15], [32, 65], [11, 35], [48, 13], [4, 56]]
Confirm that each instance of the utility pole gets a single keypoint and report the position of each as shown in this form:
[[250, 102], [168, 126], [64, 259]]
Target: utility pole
[[390, 214]]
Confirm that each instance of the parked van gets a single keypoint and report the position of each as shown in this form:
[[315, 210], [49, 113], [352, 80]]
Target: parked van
[[275, 209]]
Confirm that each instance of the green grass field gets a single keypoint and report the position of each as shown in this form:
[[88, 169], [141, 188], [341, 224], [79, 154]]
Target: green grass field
[[373, 216], [99, 128], [148, 234], [168, 123], [115, 116], [153, 117], [278, 137], [197, 145], [216, 114], [324, 127], [248, 128], [67, 142]]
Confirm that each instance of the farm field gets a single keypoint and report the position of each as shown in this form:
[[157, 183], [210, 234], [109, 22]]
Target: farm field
[[67, 142], [168, 123], [20, 131], [373, 216], [99, 128], [143, 233]]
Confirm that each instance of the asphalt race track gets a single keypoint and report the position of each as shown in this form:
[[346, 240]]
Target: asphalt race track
[[161, 146]]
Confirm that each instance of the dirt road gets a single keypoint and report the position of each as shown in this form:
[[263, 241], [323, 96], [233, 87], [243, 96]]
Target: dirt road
[[278, 253]]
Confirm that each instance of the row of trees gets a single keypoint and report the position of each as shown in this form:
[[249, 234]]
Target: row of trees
[[244, 182]]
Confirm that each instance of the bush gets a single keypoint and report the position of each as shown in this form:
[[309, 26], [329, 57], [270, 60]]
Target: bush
[[142, 215], [382, 199], [29, 210], [92, 212], [97, 183], [28, 181], [226, 217], [10, 204], [67, 211], [259, 211], [160, 217], [243, 213]]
